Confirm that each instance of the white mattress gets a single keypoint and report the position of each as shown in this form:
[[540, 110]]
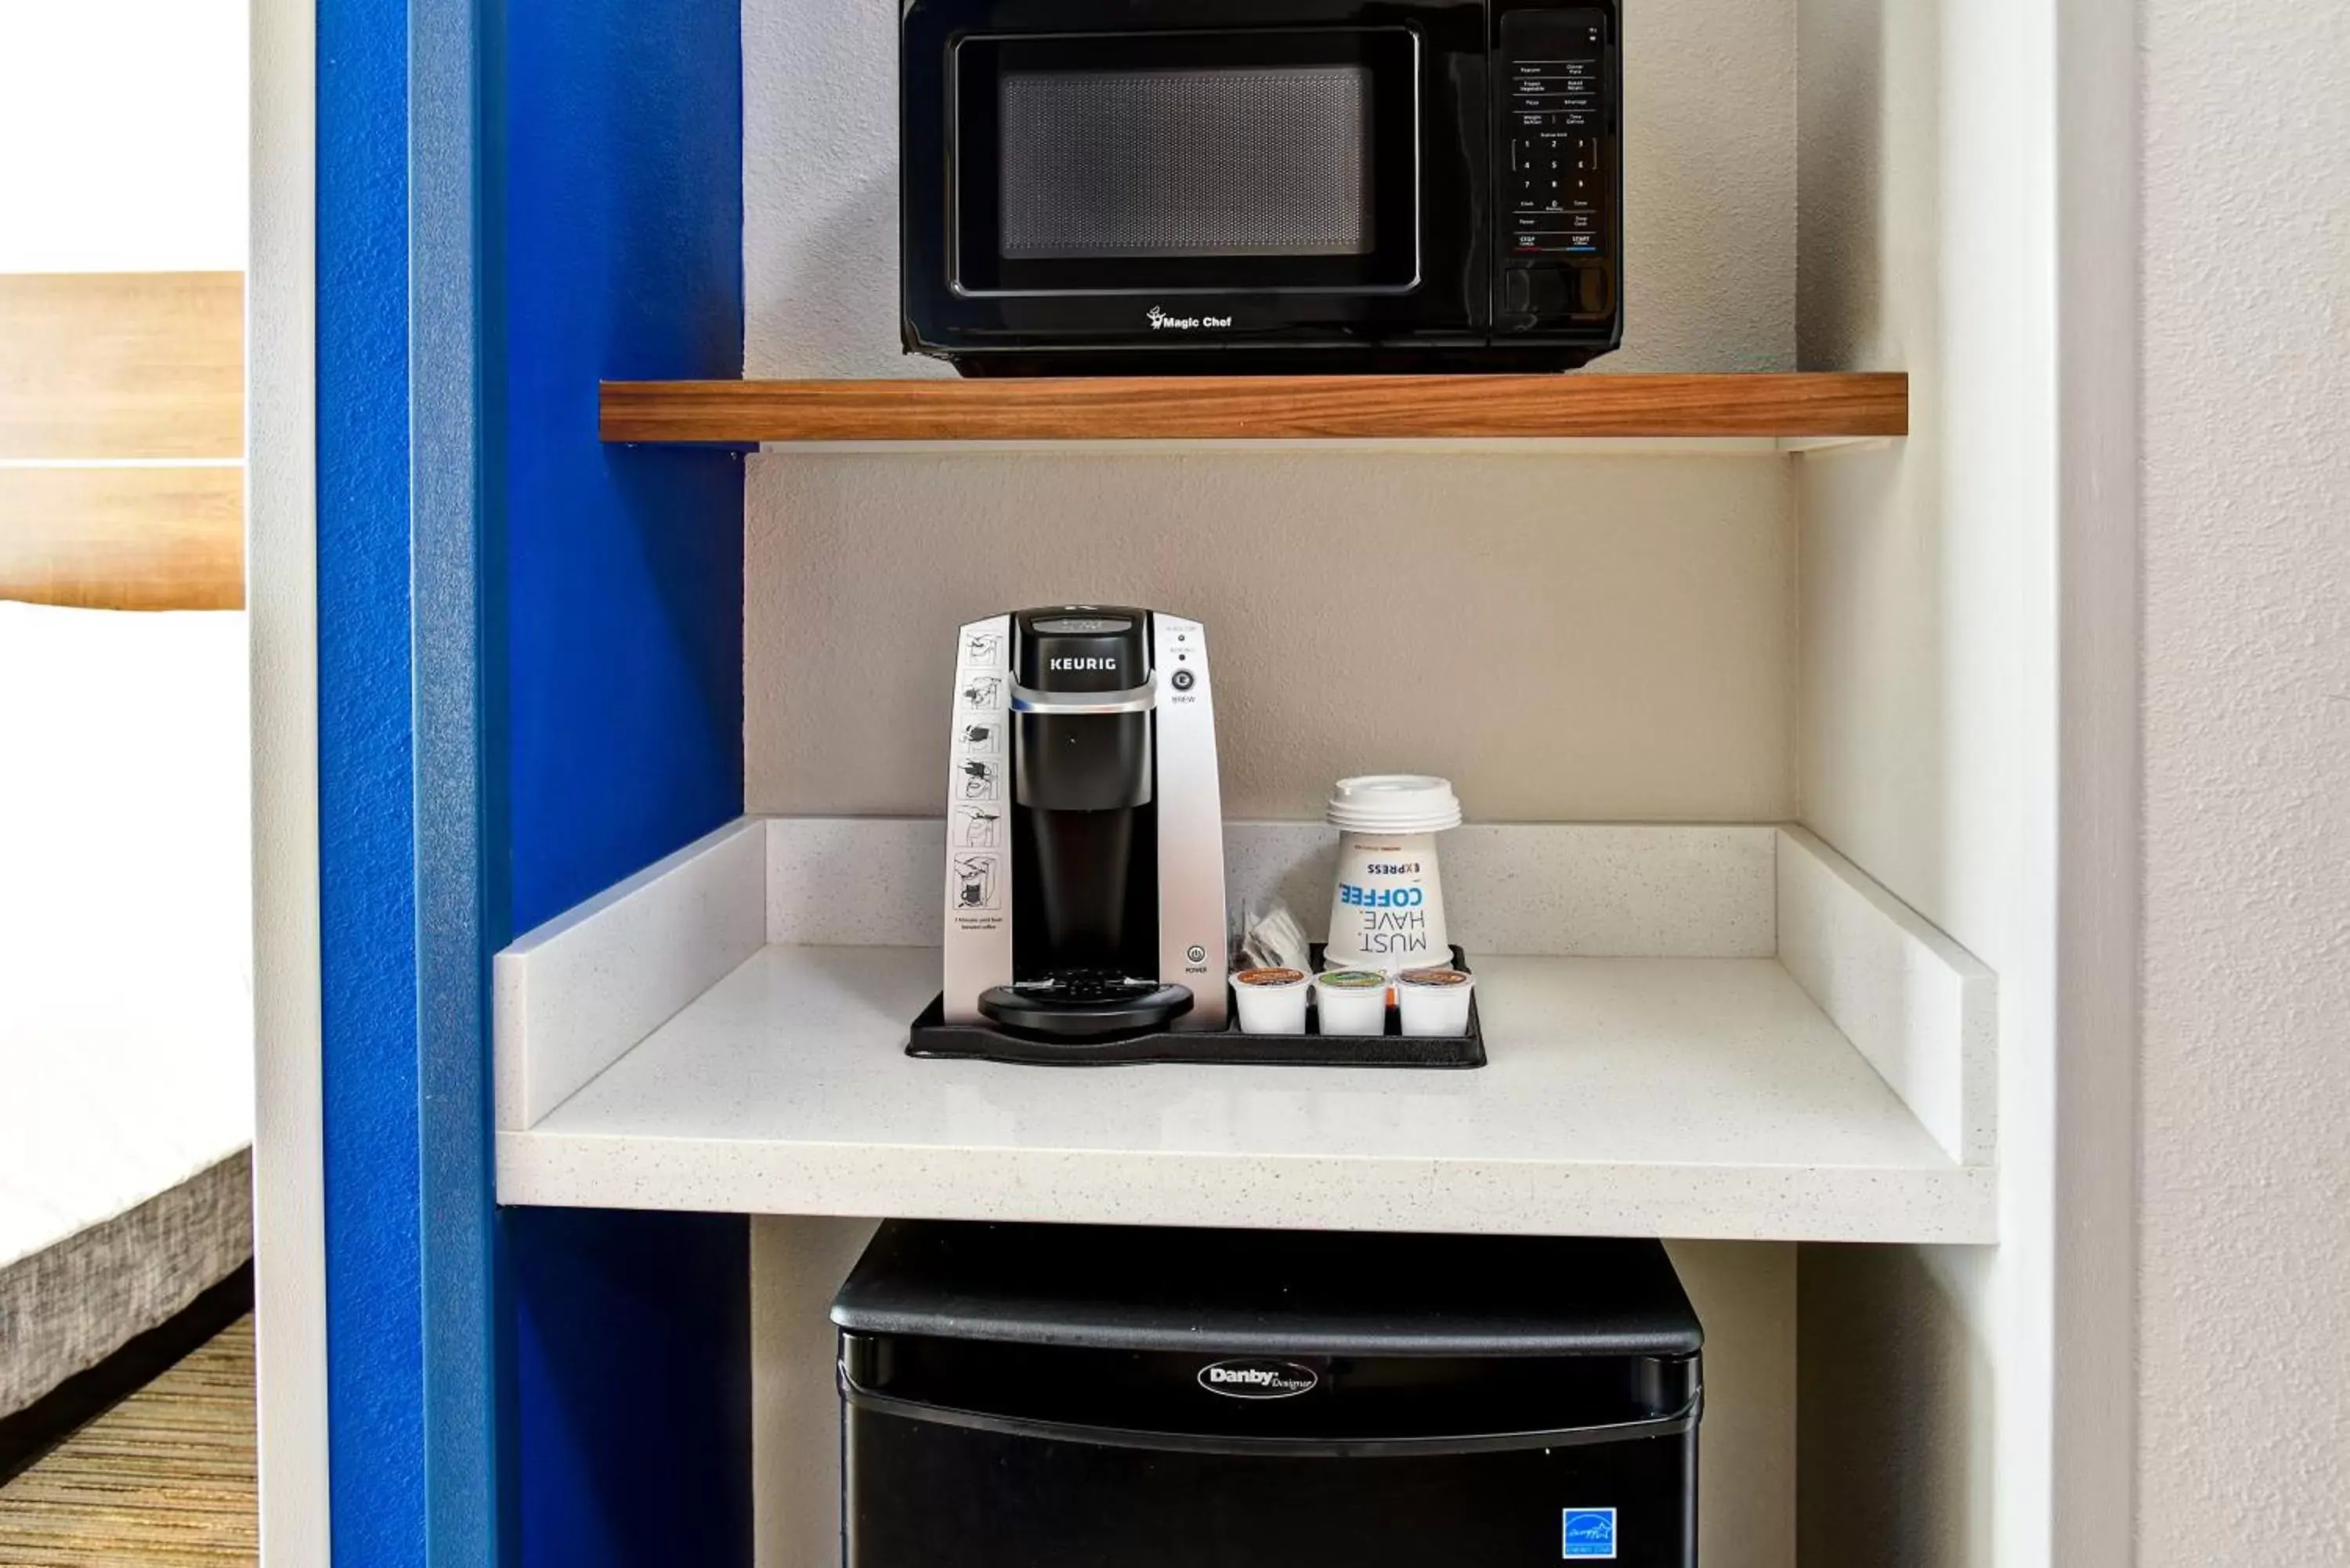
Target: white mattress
[[126, 996]]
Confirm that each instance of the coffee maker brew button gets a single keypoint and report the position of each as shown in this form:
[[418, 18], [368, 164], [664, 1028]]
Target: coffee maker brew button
[[1183, 680]]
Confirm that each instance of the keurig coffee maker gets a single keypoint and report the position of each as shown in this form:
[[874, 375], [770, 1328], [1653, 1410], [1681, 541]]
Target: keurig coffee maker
[[1085, 876]]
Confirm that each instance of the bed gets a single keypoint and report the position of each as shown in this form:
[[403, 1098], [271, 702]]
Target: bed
[[126, 1000], [126, 1010]]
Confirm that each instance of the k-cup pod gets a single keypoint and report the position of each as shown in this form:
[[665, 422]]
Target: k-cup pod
[[1272, 1001], [1434, 1001], [1387, 908], [1351, 1001]]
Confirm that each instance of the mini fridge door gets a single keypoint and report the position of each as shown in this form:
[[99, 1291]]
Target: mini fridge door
[[994, 1456], [1093, 1396]]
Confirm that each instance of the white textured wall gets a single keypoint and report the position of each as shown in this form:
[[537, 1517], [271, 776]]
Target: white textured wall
[[2245, 1166], [1896, 1398], [1744, 1293], [123, 136], [796, 1265], [1927, 737], [1581, 639], [1873, 737]]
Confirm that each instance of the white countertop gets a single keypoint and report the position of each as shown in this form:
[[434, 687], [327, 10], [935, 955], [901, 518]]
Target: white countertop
[[1675, 1097]]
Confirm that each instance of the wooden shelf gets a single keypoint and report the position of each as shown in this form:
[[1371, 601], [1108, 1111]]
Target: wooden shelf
[[1793, 410]]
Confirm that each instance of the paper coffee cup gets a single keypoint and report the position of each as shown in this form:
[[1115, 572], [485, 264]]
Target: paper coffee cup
[[1386, 906]]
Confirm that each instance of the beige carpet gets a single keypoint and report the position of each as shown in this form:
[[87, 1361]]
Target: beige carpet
[[165, 1478]]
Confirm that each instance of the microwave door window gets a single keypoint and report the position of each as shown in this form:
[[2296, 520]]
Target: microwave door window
[[1251, 161], [1189, 162]]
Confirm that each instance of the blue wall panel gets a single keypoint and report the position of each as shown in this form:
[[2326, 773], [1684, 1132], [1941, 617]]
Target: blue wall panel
[[516, 198], [614, 190], [633, 1370], [375, 1381], [454, 852], [623, 212]]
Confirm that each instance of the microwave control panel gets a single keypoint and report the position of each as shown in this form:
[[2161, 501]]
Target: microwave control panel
[[1555, 168]]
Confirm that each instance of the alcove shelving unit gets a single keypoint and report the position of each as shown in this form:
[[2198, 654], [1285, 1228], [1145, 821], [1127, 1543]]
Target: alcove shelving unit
[[627, 636], [1788, 411]]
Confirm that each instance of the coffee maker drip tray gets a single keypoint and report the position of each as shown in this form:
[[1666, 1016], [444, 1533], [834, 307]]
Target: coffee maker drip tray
[[1086, 1005], [1097, 1020]]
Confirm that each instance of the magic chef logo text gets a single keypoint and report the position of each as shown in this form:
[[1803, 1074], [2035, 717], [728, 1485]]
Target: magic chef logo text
[[1258, 1379], [1162, 322]]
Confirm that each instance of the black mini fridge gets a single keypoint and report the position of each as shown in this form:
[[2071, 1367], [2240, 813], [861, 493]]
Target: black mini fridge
[[1074, 1396]]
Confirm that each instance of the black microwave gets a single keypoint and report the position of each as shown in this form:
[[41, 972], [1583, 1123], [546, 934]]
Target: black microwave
[[1149, 187]]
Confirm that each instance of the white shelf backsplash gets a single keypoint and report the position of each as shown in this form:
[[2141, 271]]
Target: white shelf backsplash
[[1694, 1031]]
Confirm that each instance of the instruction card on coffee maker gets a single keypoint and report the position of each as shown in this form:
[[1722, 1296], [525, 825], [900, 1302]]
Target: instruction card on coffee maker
[[979, 814]]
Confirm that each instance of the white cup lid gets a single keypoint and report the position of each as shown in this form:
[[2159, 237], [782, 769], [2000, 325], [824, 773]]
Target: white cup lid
[[1394, 803]]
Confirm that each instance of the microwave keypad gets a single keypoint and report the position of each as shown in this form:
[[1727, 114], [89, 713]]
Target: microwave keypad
[[1555, 197], [1556, 202], [1555, 95], [1555, 116]]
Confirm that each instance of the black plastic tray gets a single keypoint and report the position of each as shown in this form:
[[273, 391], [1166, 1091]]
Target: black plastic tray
[[932, 1036]]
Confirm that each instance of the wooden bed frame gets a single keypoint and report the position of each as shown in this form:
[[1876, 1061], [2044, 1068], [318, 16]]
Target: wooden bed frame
[[122, 440]]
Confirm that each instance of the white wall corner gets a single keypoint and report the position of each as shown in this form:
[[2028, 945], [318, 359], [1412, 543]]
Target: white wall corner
[[1920, 1008], [572, 996], [797, 1263]]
